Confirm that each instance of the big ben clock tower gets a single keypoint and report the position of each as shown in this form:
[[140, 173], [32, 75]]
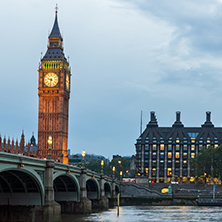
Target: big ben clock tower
[[54, 94]]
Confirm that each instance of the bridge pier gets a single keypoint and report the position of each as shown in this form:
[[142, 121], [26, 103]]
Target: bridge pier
[[85, 205], [104, 201], [51, 210]]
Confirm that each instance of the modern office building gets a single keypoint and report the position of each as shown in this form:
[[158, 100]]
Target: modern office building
[[163, 153]]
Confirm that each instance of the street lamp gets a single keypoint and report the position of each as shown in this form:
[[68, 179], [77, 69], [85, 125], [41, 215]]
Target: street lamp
[[205, 175], [102, 163], [114, 172], [120, 175], [50, 147], [83, 155], [120, 166]]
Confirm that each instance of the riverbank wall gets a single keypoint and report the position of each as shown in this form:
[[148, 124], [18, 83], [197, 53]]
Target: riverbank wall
[[157, 201]]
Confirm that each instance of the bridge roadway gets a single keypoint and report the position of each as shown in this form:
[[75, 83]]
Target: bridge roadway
[[33, 189]]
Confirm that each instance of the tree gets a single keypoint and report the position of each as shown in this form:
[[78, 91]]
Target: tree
[[208, 162], [120, 164]]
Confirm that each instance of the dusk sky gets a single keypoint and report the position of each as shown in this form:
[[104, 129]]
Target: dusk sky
[[125, 56]]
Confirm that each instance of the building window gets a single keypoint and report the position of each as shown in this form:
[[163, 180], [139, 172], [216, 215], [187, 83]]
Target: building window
[[177, 147], [154, 146], [177, 155], [185, 147], [169, 155], [177, 140], [200, 147], [161, 146], [162, 155], [146, 146], [192, 155], [169, 147], [193, 135], [192, 147]]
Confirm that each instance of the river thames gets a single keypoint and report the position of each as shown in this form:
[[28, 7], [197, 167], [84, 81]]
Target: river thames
[[151, 213]]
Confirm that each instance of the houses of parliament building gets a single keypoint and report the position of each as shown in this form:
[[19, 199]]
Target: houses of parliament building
[[165, 152]]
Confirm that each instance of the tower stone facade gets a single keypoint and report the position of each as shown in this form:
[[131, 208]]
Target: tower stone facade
[[54, 94]]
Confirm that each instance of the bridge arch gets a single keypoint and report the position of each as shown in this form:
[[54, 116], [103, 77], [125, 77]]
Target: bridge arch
[[108, 189], [66, 187], [20, 187], [93, 189]]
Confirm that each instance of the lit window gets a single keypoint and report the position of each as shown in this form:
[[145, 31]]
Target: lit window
[[185, 154], [192, 155], [169, 155], [192, 147], [177, 141], [192, 140], [177, 155], [161, 146], [184, 161], [154, 154], [154, 146], [177, 147], [162, 161], [177, 161], [216, 145], [208, 141], [154, 161], [154, 169]]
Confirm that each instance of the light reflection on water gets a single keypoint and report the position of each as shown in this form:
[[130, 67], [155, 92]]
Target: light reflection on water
[[152, 213]]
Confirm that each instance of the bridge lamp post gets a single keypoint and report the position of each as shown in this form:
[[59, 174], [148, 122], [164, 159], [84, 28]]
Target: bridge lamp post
[[120, 175], [114, 172], [120, 166], [50, 147], [83, 155], [102, 163]]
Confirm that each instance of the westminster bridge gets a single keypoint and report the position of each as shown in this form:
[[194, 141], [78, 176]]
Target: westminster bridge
[[40, 190]]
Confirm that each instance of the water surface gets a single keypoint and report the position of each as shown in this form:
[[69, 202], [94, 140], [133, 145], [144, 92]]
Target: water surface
[[151, 213]]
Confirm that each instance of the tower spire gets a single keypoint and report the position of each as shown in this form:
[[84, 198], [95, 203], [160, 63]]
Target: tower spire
[[56, 9]]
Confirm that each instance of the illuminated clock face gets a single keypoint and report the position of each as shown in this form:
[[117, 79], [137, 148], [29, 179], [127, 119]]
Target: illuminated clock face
[[51, 79], [67, 82]]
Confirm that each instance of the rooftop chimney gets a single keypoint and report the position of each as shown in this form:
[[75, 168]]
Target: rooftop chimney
[[208, 122], [178, 123], [153, 120]]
